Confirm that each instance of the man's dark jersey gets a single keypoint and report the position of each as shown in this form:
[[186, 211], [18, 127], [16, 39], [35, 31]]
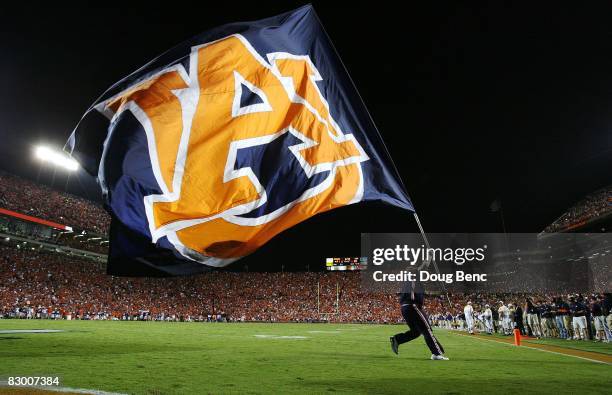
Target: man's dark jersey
[[546, 311], [412, 293], [596, 309], [607, 303], [577, 309], [562, 308], [518, 313], [531, 309]]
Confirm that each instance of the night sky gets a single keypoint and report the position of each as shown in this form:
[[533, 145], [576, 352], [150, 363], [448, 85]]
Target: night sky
[[475, 103]]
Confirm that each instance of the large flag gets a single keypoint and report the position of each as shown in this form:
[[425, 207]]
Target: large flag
[[210, 150]]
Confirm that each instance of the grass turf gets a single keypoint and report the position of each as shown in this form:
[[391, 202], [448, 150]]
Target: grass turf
[[177, 358], [591, 346]]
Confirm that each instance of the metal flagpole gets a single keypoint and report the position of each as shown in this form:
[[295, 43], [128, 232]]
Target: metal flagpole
[[433, 259]]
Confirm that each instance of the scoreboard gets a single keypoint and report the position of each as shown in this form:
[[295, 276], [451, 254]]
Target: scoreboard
[[349, 263]]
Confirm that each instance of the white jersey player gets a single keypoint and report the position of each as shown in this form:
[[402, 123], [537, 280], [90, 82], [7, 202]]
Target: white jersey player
[[488, 319], [468, 311], [504, 317]]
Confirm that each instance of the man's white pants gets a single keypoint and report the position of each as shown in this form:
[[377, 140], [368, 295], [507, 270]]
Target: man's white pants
[[470, 323], [489, 324], [580, 324], [506, 324], [534, 323], [600, 325]]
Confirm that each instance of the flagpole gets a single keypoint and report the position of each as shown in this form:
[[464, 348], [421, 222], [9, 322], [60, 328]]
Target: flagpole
[[416, 218], [433, 259]]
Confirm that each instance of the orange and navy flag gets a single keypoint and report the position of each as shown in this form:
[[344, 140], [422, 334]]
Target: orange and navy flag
[[210, 150]]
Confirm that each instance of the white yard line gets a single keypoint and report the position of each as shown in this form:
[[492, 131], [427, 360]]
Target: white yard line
[[261, 336]]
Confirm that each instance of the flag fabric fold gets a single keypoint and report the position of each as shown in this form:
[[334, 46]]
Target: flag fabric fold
[[213, 148]]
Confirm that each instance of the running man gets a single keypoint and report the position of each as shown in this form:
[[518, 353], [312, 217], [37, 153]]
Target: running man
[[411, 301]]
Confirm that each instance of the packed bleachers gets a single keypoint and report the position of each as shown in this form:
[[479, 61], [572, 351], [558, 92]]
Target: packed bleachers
[[36, 284], [79, 288], [594, 206], [27, 197]]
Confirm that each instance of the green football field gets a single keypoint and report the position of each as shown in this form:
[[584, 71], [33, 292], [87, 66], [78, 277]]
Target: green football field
[[177, 358]]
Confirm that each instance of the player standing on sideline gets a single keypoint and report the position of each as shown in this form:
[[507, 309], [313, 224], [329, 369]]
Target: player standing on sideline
[[578, 310], [532, 318], [607, 306], [557, 311], [411, 301], [488, 319], [504, 318], [496, 324], [512, 316], [468, 311], [564, 311], [519, 318], [547, 320], [599, 319]]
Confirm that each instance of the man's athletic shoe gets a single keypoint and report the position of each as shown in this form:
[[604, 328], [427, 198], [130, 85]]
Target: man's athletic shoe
[[394, 344], [435, 357]]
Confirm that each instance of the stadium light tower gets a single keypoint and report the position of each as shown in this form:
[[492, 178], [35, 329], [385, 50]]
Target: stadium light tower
[[57, 158]]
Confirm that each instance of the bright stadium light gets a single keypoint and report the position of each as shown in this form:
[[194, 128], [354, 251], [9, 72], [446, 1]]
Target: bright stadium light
[[57, 158]]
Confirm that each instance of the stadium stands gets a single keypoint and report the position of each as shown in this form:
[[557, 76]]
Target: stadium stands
[[26, 197], [593, 207], [71, 286], [40, 284]]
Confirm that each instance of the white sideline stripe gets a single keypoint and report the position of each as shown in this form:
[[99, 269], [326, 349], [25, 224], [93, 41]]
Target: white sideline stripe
[[66, 389], [534, 348]]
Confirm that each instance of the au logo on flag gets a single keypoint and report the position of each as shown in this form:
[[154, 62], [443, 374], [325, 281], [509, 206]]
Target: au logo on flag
[[223, 136], [223, 142]]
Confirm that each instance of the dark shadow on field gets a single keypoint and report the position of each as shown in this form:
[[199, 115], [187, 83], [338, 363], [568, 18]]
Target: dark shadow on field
[[442, 385], [350, 357], [10, 338], [61, 349]]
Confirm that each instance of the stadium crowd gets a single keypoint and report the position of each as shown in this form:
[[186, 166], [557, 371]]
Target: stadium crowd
[[27, 197], [593, 206], [38, 284]]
